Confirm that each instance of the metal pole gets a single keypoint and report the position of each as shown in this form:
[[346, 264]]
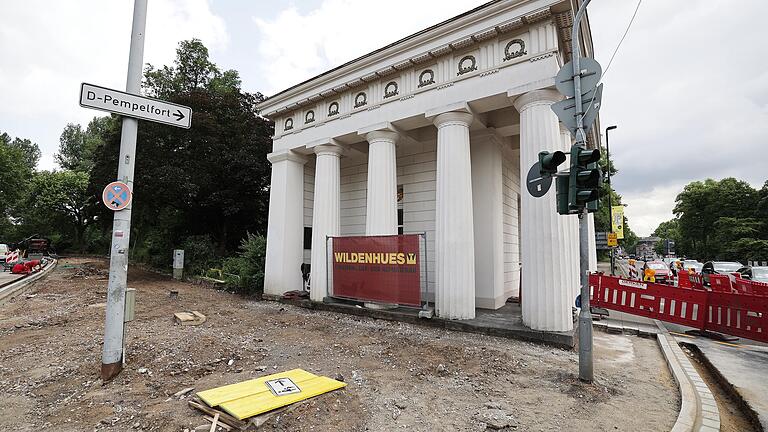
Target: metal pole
[[112, 354], [585, 316], [610, 192]]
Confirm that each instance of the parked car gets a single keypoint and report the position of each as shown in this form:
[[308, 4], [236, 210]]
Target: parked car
[[719, 267], [663, 275], [756, 273], [692, 264]]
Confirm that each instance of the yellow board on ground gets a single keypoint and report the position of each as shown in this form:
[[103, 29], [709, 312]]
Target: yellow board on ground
[[260, 395]]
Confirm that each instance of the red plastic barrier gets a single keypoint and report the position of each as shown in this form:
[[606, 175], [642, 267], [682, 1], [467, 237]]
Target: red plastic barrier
[[746, 286], [740, 315], [683, 281], [735, 309]]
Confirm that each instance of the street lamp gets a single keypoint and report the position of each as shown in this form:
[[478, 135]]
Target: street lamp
[[610, 209]]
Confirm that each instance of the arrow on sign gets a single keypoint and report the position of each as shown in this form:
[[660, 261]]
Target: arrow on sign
[[178, 115]]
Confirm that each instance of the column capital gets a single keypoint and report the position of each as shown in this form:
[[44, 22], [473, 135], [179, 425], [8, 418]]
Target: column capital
[[286, 155], [328, 149], [537, 97], [382, 135], [453, 118]]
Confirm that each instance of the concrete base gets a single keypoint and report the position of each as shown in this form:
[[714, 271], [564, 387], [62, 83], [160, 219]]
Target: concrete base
[[505, 322]]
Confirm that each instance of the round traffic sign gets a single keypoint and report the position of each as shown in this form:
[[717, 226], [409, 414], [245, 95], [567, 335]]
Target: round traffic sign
[[116, 196], [537, 184], [591, 71]]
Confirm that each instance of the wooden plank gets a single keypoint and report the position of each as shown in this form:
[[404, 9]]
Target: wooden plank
[[221, 425], [214, 422], [224, 417]]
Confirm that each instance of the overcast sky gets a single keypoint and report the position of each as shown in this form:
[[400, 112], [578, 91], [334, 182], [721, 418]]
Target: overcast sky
[[688, 88]]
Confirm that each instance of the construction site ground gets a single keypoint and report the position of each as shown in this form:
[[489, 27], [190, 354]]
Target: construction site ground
[[400, 376]]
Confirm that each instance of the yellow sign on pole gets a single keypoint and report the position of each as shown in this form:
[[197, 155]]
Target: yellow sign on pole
[[613, 241], [617, 221]]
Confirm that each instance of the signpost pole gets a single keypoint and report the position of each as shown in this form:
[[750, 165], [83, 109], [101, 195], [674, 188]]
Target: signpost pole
[[112, 354], [585, 316]]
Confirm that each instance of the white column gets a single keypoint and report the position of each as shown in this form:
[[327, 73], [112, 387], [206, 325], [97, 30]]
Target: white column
[[454, 243], [285, 227], [546, 293], [325, 215], [592, 243], [381, 204], [571, 227], [488, 214]]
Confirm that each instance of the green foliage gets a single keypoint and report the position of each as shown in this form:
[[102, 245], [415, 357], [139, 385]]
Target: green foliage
[[602, 215], [726, 219], [199, 254], [245, 271], [212, 179], [56, 203], [77, 148], [18, 159]]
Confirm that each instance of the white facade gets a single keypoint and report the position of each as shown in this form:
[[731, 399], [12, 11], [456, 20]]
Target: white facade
[[453, 117]]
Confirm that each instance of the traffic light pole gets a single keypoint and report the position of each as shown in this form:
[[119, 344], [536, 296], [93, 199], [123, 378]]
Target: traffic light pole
[[585, 316], [112, 353]]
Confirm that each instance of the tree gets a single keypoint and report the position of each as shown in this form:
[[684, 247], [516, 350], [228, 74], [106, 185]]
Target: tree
[[603, 214], [57, 203], [212, 179], [77, 147], [720, 219], [18, 158]]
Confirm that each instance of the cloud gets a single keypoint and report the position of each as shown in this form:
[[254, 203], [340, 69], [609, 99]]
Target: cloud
[[296, 46], [689, 93], [49, 48]]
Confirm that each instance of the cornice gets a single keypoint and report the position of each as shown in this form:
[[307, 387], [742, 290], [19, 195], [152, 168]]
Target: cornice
[[271, 107]]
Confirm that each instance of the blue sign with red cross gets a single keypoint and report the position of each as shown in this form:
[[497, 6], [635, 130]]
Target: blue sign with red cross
[[116, 196]]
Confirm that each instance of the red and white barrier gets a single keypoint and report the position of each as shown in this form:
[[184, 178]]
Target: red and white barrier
[[737, 307]]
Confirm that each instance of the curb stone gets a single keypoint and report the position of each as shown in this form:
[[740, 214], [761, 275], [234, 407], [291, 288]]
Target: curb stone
[[698, 409], [11, 290]]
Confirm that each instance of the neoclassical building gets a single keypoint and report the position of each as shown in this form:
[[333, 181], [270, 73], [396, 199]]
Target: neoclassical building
[[435, 133]]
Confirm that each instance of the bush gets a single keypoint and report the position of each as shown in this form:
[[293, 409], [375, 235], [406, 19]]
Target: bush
[[244, 272], [199, 254]]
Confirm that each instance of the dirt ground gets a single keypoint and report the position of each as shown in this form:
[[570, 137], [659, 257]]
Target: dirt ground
[[400, 376]]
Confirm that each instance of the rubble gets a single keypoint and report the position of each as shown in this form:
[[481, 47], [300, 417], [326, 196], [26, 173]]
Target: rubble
[[49, 370]]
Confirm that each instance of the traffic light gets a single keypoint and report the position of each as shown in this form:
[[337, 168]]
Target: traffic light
[[592, 206], [549, 162], [562, 188], [584, 182]]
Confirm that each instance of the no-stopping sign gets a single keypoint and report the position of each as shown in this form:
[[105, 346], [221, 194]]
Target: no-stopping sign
[[116, 196]]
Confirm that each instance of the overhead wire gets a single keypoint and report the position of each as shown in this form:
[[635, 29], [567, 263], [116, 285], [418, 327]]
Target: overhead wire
[[626, 31]]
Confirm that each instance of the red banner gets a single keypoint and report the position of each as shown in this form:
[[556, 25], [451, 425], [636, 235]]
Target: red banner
[[378, 268]]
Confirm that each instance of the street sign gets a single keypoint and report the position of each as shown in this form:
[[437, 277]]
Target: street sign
[[591, 71], [116, 196], [140, 107], [537, 184], [601, 240], [612, 240], [590, 105]]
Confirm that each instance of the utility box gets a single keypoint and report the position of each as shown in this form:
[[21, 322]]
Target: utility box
[[130, 305], [178, 263]]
